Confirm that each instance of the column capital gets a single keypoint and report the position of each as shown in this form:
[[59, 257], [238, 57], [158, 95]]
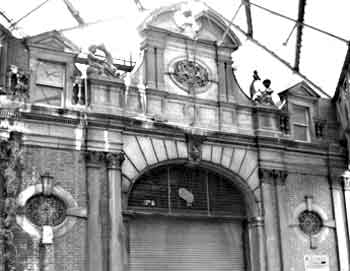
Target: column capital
[[273, 176], [94, 158], [114, 160], [257, 221], [346, 179]]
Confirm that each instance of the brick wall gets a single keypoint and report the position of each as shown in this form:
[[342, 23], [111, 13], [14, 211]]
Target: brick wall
[[67, 168], [294, 245]]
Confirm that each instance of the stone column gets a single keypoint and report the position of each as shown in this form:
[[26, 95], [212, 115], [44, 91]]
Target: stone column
[[35, 258], [117, 232], [346, 187], [340, 221], [48, 257], [160, 68], [270, 178], [94, 161], [257, 244]]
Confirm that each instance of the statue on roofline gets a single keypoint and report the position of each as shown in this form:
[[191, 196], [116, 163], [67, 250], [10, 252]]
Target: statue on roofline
[[18, 84], [101, 64], [261, 93]]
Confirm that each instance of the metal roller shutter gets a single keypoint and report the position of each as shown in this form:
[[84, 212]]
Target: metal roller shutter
[[160, 244]]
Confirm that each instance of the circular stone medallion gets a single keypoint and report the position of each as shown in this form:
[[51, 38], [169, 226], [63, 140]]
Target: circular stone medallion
[[190, 75], [45, 210], [310, 222]]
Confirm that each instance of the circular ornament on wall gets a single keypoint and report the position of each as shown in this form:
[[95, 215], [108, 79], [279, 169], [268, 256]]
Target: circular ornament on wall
[[57, 209], [310, 222], [190, 75], [45, 210]]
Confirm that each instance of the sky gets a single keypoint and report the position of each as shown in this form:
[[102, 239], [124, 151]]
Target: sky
[[322, 57]]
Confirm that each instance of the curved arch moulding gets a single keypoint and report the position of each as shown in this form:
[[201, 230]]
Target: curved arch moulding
[[238, 164]]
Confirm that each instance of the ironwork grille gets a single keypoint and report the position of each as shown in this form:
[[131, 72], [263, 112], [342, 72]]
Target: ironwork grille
[[45, 210], [310, 222], [186, 189]]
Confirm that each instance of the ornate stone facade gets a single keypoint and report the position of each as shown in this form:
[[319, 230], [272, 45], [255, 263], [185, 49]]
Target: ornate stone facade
[[144, 166]]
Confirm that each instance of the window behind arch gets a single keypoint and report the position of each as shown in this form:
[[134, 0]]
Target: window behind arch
[[185, 189]]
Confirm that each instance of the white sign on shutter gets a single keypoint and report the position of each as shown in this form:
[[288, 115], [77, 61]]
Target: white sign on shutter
[[316, 263]]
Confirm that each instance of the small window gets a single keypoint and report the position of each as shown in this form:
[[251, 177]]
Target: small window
[[300, 117], [50, 78]]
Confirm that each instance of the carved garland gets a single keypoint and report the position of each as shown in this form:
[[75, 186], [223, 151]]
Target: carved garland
[[11, 166]]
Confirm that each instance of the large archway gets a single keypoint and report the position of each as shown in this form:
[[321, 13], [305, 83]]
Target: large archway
[[188, 217]]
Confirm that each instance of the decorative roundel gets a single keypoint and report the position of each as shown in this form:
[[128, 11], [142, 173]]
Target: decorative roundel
[[310, 222], [190, 74], [57, 209], [45, 210]]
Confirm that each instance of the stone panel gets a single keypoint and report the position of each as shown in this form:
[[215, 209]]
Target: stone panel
[[249, 164], [206, 152], [182, 148], [131, 148], [129, 169], [146, 146], [227, 117], [237, 159], [174, 110], [160, 149], [171, 149], [207, 115], [227, 156], [216, 155], [154, 105], [253, 180]]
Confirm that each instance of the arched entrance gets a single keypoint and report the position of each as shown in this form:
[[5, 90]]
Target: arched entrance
[[185, 217]]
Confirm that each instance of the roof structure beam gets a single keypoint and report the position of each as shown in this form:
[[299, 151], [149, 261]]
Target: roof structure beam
[[343, 73], [300, 25], [248, 14], [74, 12], [304, 24], [281, 60]]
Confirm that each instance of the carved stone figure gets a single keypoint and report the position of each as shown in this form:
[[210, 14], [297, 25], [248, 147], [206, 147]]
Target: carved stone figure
[[18, 84], [101, 65], [186, 18], [78, 93], [261, 93], [194, 145]]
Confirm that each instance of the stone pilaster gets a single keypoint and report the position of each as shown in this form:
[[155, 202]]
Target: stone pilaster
[[94, 161], [48, 258], [340, 222], [271, 182], [117, 231], [346, 188], [257, 244]]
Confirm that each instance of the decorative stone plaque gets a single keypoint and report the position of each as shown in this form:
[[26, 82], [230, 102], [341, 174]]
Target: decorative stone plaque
[[190, 74], [47, 235], [310, 222], [45, 210], [316, 263]]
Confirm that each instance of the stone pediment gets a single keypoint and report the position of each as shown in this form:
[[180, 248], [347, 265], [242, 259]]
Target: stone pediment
[[193, 19], [301, 89], [53, 40]]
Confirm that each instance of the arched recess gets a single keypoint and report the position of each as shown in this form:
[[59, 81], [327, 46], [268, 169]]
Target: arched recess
[[236, 163], [176, 206], [251, 203]]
